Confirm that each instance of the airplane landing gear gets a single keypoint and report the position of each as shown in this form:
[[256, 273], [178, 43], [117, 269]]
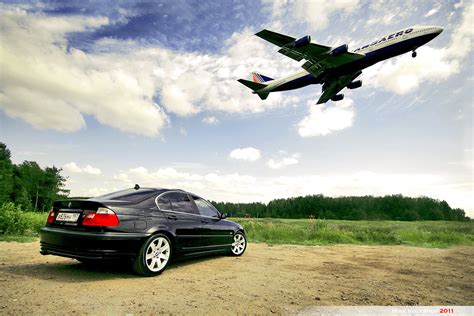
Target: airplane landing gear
[[413, 54]]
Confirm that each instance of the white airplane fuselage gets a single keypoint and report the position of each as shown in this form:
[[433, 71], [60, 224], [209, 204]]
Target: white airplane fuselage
[[384, 48]]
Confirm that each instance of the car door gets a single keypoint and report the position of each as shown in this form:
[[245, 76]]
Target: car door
[[216, 231], [184, 220]]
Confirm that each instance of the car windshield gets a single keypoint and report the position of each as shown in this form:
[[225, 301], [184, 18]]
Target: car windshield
[[129, 195]]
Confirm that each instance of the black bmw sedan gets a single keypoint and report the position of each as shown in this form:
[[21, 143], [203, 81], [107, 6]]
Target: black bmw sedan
[[147, 226]]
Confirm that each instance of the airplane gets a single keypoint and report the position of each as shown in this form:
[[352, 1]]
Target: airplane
[[335, 68]]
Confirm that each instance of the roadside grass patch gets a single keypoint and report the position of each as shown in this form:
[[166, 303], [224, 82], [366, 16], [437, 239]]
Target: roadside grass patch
[[328, 232]]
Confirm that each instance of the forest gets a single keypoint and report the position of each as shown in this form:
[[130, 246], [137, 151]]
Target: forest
[[389, 207], [29, 186]]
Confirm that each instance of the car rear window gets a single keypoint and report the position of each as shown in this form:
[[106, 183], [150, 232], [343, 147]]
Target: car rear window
[[129, 195]]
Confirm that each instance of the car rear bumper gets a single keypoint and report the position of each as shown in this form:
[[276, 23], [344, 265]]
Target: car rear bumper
[[89, 245]]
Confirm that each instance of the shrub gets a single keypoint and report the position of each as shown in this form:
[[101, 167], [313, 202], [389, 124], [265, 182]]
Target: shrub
[[13, 221]]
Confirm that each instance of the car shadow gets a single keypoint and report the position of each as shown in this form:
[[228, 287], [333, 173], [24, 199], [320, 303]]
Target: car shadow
[[182, 262], [75, 271]]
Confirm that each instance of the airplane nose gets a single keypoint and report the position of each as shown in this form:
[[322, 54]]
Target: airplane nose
[[439, 30]]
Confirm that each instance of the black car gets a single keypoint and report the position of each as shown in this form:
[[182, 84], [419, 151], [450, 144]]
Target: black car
[[144, 225]]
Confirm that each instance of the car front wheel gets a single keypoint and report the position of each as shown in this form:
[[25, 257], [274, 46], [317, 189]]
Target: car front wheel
[[239, 245], [154, 256]]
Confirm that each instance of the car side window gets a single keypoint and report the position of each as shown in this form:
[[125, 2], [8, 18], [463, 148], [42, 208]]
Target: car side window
[[205, 208], [164, 203], [180, 203]]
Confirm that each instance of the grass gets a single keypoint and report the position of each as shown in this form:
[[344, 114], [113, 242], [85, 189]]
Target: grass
[[328, 232], [18, 238]]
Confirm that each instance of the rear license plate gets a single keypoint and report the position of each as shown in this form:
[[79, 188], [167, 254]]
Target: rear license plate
[[67, 217]]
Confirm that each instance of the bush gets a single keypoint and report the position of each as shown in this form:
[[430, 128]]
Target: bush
[[13, 221]]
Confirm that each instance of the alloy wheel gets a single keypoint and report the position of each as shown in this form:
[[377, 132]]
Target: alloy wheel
[[157, 254], [238, 246]]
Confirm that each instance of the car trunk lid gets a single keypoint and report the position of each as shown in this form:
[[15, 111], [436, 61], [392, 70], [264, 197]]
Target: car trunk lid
[[70, 214]]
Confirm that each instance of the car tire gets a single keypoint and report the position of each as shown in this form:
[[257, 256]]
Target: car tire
[[239, 245], [154, 256]]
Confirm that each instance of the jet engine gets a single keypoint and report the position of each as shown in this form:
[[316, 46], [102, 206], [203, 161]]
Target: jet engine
[[305, 40], [338, 97], [355, 84], [339, 50]]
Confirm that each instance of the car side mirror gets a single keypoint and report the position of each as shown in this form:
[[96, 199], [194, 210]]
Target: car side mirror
[[223, 216]]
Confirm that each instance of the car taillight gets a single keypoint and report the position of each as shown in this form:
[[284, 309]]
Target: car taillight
[[51, 216], [103, 217]]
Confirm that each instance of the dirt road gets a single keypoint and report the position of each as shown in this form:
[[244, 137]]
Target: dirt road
[[265, 280]]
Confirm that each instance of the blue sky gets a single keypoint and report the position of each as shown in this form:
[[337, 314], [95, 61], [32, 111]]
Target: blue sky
[[122, 92]]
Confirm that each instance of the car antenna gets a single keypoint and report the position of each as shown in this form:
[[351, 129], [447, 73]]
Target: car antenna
[[136, 187]]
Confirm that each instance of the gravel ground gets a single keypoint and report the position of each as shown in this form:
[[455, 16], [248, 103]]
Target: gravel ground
[[265, 280]]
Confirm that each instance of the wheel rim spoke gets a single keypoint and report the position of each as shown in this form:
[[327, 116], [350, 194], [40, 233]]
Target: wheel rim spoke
[[159, 263], [162, 256]]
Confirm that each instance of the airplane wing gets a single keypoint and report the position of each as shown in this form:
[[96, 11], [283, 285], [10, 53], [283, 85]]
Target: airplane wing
[[319, 57], [332, 87], [298, 53]]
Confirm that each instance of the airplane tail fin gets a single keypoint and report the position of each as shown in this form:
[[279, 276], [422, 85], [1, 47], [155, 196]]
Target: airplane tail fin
[[256, 77], [255, 86]]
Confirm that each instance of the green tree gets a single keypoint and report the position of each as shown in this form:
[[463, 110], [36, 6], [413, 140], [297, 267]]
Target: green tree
[[6, 174], [29, 186]]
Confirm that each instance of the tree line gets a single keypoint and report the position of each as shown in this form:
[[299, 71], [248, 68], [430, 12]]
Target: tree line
[[389, 207], [33, 188], [28, 185]]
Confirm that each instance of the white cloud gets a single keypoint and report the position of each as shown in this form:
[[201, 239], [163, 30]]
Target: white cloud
[[211, 120], [91, 170], [461, 39], [316, 13], [283, 160], [385, 19], [247, 154], [383, 12], [74, 168], [52, 87], [324, 119], [275, 7], [432, 12], [404, 74]]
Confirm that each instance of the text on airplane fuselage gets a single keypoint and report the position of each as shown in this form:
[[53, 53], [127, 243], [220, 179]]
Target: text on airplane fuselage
[[386, 38]]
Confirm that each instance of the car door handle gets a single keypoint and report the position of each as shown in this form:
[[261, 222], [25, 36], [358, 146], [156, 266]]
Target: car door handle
[[173, 217], [204, 221]]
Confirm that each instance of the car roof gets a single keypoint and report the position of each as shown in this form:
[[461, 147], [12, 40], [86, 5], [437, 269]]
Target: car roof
[[151, 191]]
